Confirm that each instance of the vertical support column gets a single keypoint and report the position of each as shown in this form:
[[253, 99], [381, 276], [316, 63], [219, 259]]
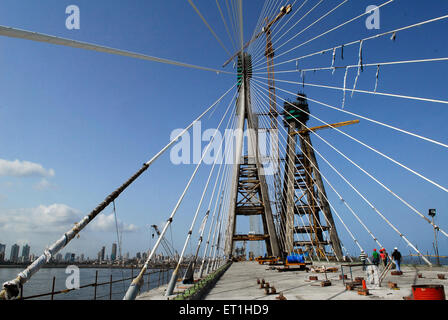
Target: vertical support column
[[257, 181], [334, 238], [315, 229], [241, 106], [289, 192], [272, 245], [307, 178]]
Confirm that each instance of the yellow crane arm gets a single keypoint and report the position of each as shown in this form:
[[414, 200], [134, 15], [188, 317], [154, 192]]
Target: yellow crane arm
[[283, 11], [334, 125]]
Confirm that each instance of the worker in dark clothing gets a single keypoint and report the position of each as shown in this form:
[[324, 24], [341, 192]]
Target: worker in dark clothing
[[396, 257]]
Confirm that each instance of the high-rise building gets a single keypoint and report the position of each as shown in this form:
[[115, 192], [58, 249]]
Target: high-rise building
[[2, 252], [59, 257], [113, 255], [26, 253], [14, 257], [102, 253], [67, 257]]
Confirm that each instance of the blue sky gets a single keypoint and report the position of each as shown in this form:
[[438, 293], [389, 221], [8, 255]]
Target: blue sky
[[94, 118]]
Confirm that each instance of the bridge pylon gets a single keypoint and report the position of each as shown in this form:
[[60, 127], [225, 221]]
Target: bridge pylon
[[249, 194], [303, 188]]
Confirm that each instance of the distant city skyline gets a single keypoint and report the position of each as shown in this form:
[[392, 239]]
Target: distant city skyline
[[65, 256]]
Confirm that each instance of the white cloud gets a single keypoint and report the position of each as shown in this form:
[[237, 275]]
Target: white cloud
[[55, 218], [42, 225], [43, 184], [106, 223], [19, 168]]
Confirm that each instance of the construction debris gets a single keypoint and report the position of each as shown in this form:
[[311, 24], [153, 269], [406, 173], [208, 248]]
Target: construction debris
[[281, 297], [392, 285], [363, 292], [324, 269], [351, 285]]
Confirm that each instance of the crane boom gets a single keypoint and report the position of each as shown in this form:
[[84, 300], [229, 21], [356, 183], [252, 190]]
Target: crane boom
[[334, 125], [283, 11]]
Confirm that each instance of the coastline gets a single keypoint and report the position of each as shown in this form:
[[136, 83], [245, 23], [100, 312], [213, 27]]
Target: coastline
[[86, 266]]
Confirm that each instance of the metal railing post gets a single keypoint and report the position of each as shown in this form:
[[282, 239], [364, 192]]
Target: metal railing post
[[110, 288], [96, 282], [52, 288]]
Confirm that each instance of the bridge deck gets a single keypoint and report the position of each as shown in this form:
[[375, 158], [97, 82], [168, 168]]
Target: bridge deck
[[239, 282]]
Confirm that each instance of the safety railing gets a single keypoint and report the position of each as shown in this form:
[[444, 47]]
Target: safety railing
[[152, 279]]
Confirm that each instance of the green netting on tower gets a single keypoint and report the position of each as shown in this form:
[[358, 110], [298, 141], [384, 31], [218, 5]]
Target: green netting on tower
[[297, 111], [239, 71], [240, 68]]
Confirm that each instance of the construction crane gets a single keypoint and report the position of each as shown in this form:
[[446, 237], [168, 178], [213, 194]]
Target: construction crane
[[283, 11], [334, 125], [269, 53]]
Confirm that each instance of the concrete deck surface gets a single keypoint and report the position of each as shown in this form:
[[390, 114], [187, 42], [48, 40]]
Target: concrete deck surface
[[239, 282]]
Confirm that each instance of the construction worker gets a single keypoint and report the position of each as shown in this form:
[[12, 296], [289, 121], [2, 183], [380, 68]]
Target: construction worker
[[375, 257], [396, 256], [387, 260], [363, 258], [383, 257]]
